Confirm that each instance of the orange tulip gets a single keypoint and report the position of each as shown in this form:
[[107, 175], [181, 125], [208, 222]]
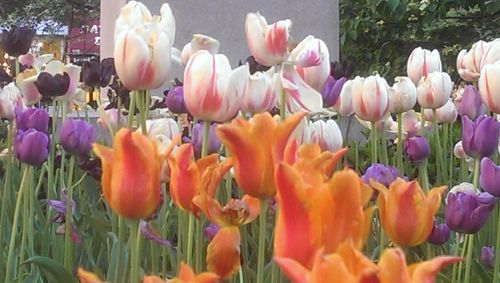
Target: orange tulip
[[152, 279], [87, 277], [188, 178], [347, 265], [186, 275], [393, 268], [223, 252], [131, 174], [318, 211], [406, 213], [256, 146]]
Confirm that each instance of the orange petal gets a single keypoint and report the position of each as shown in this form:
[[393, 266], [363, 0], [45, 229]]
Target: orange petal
[[223, 252], [211, 208], [253, 205], [282, 134], [212, 176], [393, 267], [106, 155], [329, 166], [152, 279], [87, 277], [355, 261], [425, 272], [292, 269], [184, 178], [290, 153], [186, 273]]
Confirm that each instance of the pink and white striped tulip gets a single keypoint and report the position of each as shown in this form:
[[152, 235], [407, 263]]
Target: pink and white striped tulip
[[258, 94], [343, 105], [26, 83], [434, 90], [143, 46], [402, 95], [446, 114], [199, 42], [327, 134], [492, 54], [469, 62], [312, 60], [10, 99], [267, 43], [212, 91], [489, 86], [299, 95], [370, 98], [421, 63]]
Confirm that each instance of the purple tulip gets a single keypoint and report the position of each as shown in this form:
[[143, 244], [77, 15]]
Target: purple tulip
[[480, 138], [197, 139], [487, 256], [490, 177], [331, 90], [381, 173], [471, 104], [52, 85], [416, 148], [59, 206], [32, 118], [174, 100], [151, 234], [31, 147], [210, 231], [466, 212], [17, 41], [77, 136], [440, 234]]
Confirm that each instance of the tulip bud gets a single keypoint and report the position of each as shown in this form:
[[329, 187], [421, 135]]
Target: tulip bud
[[327, 135], [402, 95], [458, 150], [174, 100], [343, 105], [49, 85], [487, 257], [17, 41], [10, 99], [490, 177], [469, 62], [267, 43], [416, 148], [489, 86], [111, 118], [212, 92], [77, 136], [258, 94], [26, 60], [370, 98], [466, 212], [444, 114], [471, 104], [492, 53], [422, 62], [331, 90], [91, 73], [312, 60], [210, 230], [32, 118], [434, 90], [197, 139], [31, 146], [480, 137], [199, 42], [381, 173], [440, 234]]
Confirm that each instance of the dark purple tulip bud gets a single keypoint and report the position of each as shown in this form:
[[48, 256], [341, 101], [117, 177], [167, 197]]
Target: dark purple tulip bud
[[487, 256], [49, 85], [197, 139], [210, 231], [381, 173], [32, 118], [440, 234], [331, 90], [107, 71], [17, 41], [91, 73], [416, 148], [151, 234], [490, 177], [480, 137], [467, 211], [174, 100], [471, 104], [59, 206], [77, 136], [31, 147]]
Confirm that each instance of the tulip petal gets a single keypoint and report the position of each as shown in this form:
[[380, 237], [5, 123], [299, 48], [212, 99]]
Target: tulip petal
[[292, 269], [300, 96], [223, 252], [425, 272], [393, 267], [106, 155], [87, 277]]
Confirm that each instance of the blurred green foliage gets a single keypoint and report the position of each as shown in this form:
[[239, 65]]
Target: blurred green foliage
[[379, 35]]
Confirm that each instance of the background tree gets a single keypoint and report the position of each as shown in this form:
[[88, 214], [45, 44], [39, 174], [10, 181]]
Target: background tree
[[379, 35]]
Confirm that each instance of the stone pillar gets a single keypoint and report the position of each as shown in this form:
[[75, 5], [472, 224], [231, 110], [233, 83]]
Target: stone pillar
[[110, 9]]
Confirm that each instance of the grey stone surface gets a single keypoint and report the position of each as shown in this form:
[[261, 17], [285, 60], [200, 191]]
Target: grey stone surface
[[225, 19]]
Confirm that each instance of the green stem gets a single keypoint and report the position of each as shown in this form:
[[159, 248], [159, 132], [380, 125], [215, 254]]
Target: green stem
[[442, 174], [204, 145], [399, 145], [496, 277], [373, 140], [262, 240], [423, 176], [475, 179], [121, 239], [143, 110], [134, 246], [470, 248], [7, 184], [131, 110], [68, 255], [189, 249], [199, 245], [10, 272]]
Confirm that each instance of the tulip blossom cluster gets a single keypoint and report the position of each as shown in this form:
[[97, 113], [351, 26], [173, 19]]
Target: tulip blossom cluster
[[31, 143]]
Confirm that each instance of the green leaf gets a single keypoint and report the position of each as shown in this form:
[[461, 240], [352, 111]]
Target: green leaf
[[393, 4], [52, 268]]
